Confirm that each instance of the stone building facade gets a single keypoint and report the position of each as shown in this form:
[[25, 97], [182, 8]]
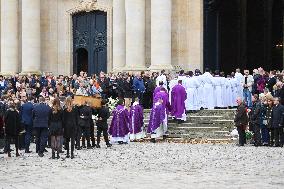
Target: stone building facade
[[39, 35]]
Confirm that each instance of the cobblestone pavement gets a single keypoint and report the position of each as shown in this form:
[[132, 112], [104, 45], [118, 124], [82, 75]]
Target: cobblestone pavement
[[145, 165]]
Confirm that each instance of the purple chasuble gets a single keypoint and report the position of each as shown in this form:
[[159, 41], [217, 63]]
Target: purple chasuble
[[136, 119], [120, 122], [157, 89], [156, 117], [166, 103], [178, 97]]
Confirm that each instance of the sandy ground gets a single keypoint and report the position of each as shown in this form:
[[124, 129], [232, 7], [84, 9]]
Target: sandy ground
[[145, 165]]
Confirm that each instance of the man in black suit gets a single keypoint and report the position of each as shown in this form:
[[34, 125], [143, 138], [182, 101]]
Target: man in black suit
[[241, 121], [254, 116], [41, 114], [84, 122], [102, 125], [277, 122], [26, 113]]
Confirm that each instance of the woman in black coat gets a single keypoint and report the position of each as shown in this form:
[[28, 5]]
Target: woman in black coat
[[56, 128], [12, 129], [70, 124]]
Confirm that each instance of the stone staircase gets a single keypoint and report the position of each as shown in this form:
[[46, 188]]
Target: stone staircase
[[209, 125]]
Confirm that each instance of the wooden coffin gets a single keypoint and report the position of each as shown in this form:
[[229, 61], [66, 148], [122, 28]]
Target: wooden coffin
[[94, 101]]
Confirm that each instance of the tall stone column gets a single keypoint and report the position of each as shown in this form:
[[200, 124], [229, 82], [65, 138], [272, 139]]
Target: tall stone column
[[31, 36], [195, 35], [9, 37], [161, 15], [135, 35], [119, 35]]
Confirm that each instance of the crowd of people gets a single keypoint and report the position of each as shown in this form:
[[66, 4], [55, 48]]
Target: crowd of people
[[43, 106]]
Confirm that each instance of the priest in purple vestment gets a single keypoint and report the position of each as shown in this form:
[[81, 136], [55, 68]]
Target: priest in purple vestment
[[178, 97], [166, 106], [119, 127], [136, 121], [163, 94], [158, 88], [156, 123]]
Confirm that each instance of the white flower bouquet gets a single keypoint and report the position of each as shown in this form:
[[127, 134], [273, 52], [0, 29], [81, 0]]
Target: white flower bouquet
[[112, 103], [95, 117]]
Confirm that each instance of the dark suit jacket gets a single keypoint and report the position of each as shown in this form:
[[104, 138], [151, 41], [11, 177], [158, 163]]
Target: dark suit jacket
[[104, 114], [277, 116], [255, 113], [27, 113], [12, 123], [241, 118], [85, 116], [41, 114]]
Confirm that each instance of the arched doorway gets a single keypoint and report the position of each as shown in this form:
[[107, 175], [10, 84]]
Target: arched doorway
[[81, 61], [90, 34]]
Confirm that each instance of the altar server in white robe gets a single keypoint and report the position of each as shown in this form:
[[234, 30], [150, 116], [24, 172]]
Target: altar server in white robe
[[239, 76], [224, 90], [200, 88], [218, 90], [162, 78], [208, 94], [229, 93], [234, 85], [191, 86], [182, 77]]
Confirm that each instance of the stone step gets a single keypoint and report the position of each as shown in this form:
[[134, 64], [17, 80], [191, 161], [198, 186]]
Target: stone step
[[194, 128], [198, 136], [204, 124], [196, 125]]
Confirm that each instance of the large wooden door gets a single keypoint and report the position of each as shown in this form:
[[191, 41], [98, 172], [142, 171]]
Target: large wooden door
[[90, 34]]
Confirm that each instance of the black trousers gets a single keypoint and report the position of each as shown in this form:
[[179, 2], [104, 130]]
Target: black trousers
[[101, 130], [86, 136], [271, 136], [279, 136], [138, 95], [28, 136], [92, 133], [41, 138], [67, 141], [257, 135], [8, 141], [242, 135], [147, 100], [78, 137]]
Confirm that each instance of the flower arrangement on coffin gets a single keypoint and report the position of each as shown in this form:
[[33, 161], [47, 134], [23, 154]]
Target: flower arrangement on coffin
[[112, 103]]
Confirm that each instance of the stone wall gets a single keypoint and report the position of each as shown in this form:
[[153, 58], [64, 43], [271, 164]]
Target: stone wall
[[56, 34]]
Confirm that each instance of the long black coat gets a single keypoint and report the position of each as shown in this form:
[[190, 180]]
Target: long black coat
[[70, 122], [277, 116], [55, 123], [12, 123], [104, 114]]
